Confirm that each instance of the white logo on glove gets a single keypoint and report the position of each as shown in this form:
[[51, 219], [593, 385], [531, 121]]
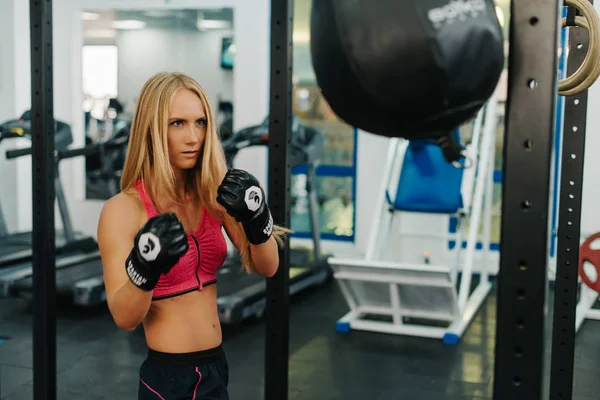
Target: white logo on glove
[[149, 246], [268, 230], [253, 198], [136, 278]]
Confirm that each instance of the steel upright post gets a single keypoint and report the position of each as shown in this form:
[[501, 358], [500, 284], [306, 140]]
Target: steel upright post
[[530, 119], [569, 224], [280, 117], [43, 173]]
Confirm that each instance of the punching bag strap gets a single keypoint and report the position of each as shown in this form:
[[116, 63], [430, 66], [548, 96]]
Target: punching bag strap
[[581, 13], [453, 151], [572, 12]]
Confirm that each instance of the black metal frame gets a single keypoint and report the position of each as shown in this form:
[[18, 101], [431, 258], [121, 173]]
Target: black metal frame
[[43, 173], [280, 118], [569, 225], [530, 120]]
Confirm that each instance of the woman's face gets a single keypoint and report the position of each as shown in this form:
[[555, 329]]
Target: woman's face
[[187, 129]]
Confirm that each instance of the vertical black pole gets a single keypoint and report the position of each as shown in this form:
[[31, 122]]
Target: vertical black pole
[[43, 171], [569, 227], [530, 119], [280, 116]]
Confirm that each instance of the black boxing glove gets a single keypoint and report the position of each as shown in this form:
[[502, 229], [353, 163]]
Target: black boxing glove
[[243, 198], [157, 248]]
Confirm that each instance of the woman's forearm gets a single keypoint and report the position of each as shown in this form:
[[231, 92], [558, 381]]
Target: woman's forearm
[[129, 306], [265, 257]]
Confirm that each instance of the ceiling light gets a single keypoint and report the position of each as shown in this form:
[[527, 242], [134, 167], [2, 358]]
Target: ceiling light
[[212, 24], [129, 24], [90, 16]]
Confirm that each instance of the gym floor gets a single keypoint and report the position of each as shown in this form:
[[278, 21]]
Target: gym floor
[[96, 360]]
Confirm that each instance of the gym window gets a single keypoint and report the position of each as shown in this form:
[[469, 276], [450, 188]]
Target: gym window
[[100, 71], [336, 174]]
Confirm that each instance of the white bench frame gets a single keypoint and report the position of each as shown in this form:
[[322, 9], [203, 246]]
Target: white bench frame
[[358, 278]]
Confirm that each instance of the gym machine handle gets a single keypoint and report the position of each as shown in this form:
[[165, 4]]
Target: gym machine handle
[[93, 148], [83, 151], [10, 154]]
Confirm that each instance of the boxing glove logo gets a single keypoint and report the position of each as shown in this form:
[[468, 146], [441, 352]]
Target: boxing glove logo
[[268, 230], [136, 278], [149, 246], [253, 198], [456, 10]]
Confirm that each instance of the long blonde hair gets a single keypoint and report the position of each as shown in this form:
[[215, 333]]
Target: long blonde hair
[[147, 156]]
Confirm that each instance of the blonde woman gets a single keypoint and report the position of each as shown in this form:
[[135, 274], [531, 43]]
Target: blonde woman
[[161, 238]]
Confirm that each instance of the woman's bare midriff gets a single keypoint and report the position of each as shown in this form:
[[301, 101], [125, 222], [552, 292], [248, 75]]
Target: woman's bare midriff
[[185, 323]]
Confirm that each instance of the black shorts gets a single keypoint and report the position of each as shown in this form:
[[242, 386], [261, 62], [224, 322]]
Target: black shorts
[[200, 375]]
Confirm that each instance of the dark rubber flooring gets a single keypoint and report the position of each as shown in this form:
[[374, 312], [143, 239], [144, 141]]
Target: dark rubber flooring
[[96, 360]]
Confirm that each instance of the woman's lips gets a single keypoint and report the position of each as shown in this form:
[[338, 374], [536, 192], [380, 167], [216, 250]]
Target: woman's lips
[[191, 153]]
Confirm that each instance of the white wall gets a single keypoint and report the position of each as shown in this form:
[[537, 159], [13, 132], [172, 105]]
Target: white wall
[[7, 67], [142, 53], [8, 178], [22, 58], [15, 98], [252, 76]]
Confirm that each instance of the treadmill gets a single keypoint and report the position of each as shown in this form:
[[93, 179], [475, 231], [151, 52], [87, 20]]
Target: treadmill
[[16, 247], [78, 275], [242, 296]]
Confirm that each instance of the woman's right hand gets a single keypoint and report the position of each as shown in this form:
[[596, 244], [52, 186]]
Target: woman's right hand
[[158, 246], [135, 258]]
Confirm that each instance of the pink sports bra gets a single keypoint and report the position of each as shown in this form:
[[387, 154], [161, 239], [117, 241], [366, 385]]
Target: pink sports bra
[[198, 267]]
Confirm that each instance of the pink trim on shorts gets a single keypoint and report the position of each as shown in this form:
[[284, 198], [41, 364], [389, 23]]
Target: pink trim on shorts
[[152, 390], [199, 379]]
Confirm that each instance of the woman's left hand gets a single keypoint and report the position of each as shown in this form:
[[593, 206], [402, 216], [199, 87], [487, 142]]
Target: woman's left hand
[[243, 198]]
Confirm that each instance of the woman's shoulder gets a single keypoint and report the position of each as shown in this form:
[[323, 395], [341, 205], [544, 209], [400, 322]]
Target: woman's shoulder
[[125, 207], [129, 198]]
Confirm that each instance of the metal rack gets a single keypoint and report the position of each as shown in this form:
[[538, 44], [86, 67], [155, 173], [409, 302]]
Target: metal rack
[[530, 116], [43, 175], [569, 224], [277, 333]]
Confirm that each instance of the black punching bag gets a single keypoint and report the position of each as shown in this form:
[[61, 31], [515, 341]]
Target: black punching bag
[[406, 68]]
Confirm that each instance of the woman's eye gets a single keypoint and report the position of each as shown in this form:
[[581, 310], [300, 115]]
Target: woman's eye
[[176, 123], [201, 122]]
